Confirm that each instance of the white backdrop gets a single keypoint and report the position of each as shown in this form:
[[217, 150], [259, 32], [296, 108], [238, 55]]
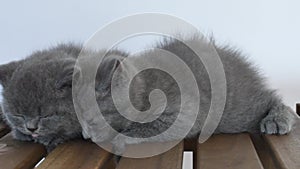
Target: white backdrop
[[267, 31]]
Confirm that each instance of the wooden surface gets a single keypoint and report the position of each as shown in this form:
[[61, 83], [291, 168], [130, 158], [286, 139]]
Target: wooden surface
[[19, 155], [285, 150], [191, 146], [171, 159], [220, 151], [263, 152], [228, 152], [77, 154]]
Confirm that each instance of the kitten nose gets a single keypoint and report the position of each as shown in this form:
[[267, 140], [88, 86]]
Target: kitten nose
[[31, 129], [32, 124]]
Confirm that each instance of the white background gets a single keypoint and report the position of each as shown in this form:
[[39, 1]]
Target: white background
[[266, 30]]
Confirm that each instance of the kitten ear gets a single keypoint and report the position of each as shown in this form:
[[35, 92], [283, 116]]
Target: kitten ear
[[65, 79], [106, 70], [6, 72]]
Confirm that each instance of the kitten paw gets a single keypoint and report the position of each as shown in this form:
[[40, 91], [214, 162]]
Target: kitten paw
[[117, 159], [49, 143], [277, 124], [20, 136], [120, 143], [119, 150]]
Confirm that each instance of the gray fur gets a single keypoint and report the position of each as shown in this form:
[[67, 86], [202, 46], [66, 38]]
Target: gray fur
[[250, 105], [37, 94], [34, 100]]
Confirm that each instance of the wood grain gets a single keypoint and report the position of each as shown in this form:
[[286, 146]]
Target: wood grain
[[263, 152], [77, 154], [19, 155], [285, 150], [228, 152], [171, 159]]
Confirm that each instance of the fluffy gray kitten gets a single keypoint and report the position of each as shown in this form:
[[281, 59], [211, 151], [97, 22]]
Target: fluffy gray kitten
[[38, 105]]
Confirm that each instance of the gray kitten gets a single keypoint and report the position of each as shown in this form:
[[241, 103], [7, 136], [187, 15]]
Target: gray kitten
[[250, 105], [38, 102], [37, 98]]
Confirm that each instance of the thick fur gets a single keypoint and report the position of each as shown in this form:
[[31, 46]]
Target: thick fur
[[38, 103]]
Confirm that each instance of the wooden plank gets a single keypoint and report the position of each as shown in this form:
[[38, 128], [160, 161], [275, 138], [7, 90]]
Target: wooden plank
[[191, 145], [263, 152], [171, 159], [285, 150], [228, 151], [19, 155], [77, 154], [3, 129], [111, 164]]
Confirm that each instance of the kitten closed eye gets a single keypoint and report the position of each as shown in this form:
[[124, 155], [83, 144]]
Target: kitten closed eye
[[19, 116]]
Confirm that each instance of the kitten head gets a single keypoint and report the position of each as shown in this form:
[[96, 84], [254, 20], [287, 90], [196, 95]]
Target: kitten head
[[37, 91], [37, 95]]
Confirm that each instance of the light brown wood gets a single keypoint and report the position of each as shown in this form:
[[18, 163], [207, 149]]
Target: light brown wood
[[3, 129], [171, 159], [19, 155], [77, 154], [228, 152], [285, 150]]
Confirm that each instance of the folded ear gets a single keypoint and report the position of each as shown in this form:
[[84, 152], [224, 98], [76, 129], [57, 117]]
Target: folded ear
[[65, 78], [6, 72], [106, 70]]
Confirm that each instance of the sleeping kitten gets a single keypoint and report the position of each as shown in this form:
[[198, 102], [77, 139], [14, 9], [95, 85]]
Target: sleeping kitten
[[38, 104], [37, 98]]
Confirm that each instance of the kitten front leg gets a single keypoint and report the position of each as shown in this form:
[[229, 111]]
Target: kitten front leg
[[119, 142], [21, 136], [279, 120], [52, 145], [137, 134], [49, 142]]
